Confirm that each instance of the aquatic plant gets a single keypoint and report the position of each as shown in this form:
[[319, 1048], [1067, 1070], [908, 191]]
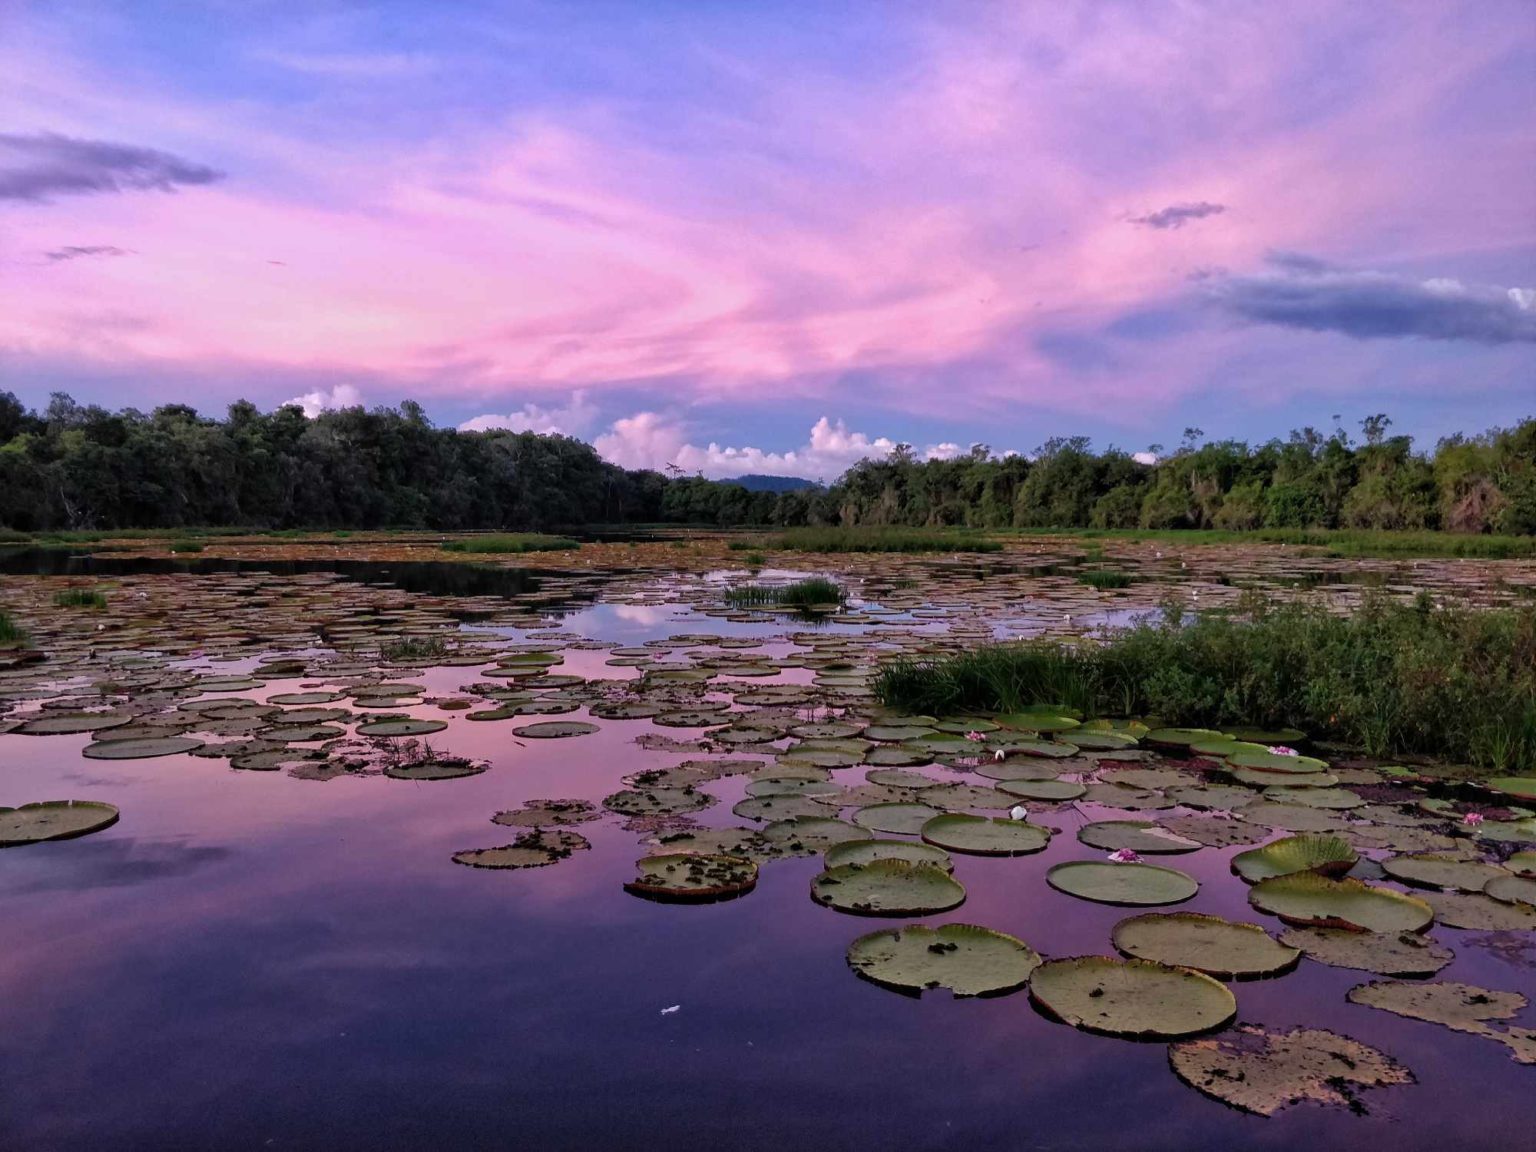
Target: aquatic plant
[[814, 592], [874, 539], [79, 598], [1105, 579], [511, 543], [11, 633], [413, 648]]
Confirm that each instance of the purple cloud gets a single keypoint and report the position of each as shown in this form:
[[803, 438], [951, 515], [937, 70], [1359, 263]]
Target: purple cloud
[[36, 167], [80, 251], [1178, 215]]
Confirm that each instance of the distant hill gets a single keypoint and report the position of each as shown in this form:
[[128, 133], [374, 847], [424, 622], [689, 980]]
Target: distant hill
[[753, 482]]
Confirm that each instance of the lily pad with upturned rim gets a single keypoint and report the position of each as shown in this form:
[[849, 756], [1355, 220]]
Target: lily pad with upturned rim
[[406, 726], [1136, 835], [1134, 999], [1226, 949], [965, 958], [868, 851], [534, 849], [1326, 855], [692, 878], [555, 730], [54, 820], [1131, 885], [984, 835], [887, 888], [147, 748], [1311, 900]]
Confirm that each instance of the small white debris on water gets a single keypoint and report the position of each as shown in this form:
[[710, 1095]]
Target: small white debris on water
[[674, 1008]]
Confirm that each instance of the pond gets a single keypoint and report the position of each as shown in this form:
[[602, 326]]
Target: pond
[[278, 944]]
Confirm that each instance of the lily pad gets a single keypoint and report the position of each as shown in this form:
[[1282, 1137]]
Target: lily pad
[[1262, 1072], [685, 877], [554, 729], [1144, 885], [1431, 871], [868, 851], [409, 726], [985, 835], [967, 959], [1312, 900], [1473, 911], [1048, 790], [437, 768], [1327, 855], [1222, 948], [71, 723], [550, 813], [806, 835], [1136, 835], [534, 849], [1135, 999], [53, 820], [1385, 953], [887, 888], [143, 749], [898, 818], [1512, 890], [657, 801], [1459, 1007]]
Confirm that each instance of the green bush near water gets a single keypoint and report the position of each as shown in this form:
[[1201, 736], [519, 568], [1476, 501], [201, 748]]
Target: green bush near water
[[12, 634], [1104, 578], [814, 592], [880, 540], [1449, 682], [512, 543]]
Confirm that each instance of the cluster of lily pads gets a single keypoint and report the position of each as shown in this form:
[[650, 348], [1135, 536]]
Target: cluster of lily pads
[[892, 803]]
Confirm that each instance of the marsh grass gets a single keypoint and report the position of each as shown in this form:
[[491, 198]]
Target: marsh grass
[[80, 598], [12, 634], [1104, 578], [1336, 541], [815, 592], [512, 542], [1392, 679], [875, 539], [414, 648]]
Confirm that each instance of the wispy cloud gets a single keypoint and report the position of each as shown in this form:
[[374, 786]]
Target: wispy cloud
[[1178, 215], [1300, 292], [46, 164], [84, 251]]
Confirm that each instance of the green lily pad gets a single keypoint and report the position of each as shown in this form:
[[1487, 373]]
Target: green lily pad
[[548, 813], [868, 851], [1037, 722], [1222, 948], [1312, 900], [1431, 871], [685, 877], [887, 888], [984, 835], [1522, 863], [1135, 999], [1327, 855], [657, 801], [899, 818], [53, 820], [145, 749], [1473, 911], [900, 778], [436, 768], [1103, 882], [1512, 890], [1385, 953], [1520, 787], [554, 729], [807, 835], [1179, 738], [967, 959], [71, 723], [1276, 764], [534, 849], [1047, 790], [408, 726], [1136, 835], [1262, 1072]]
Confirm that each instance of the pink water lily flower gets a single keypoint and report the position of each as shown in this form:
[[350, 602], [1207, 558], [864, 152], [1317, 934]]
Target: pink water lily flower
[[975, 736], [1472, 818], [1282, 750], [1125, 856]]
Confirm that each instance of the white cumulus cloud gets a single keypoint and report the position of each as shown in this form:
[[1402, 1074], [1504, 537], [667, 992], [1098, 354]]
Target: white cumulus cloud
[[318, 401], [573, 419]]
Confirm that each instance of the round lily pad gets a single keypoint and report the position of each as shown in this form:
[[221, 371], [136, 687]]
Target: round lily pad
[[53, 820], [144, 749], [1222, 948], [1310, 899], [554, 729], [1037, 722], [1522, 863], [1327, 855], [71, 723], [868, 851], [408, 726], [1277, 764], [684, 877], [898, 818], [1136, 999], [657, 801], [1048, 790], [1262, 1072], [967, 959], [1179, 738], [533, 849], [436, 768], [542, 813], [900, 778], [1512, 889], [1431, 871], [985, 835], [1135, 835], [1103, 882], [887, 888], [1473, 911], [1520, 787], [805, 835], [1385, 953]]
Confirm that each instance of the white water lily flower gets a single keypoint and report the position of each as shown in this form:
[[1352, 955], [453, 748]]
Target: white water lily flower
[[1018, 812], [1282, 750]]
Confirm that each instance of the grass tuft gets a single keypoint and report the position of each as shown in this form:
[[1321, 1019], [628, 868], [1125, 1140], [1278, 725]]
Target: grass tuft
[[80, 598], [12, 634], [1104, 578], [414, 648], [871, 539], [815, 592], [512, 542]]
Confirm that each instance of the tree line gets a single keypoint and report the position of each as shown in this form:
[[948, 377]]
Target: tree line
[[74, 466]]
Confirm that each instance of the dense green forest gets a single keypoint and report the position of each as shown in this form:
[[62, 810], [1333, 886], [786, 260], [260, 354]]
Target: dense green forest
[[74, 466]]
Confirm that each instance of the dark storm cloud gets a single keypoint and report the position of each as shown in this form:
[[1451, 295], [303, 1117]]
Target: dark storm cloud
[[40, 166], [1299, 292], [1177, 215]]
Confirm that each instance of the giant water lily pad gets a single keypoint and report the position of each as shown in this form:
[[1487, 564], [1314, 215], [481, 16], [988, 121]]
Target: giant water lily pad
[[966, 959], [1277, 764], [1262, 1072], [898, 818], [1309, 899], [1520, 787], [147, 748], [553, 730], [807, 835], [1508, 889], [887, 888], [1047, 790], [1179, 738], [534, 849], [1432, 871], [1385, 953], [1145, 885], [1327, 855], [436, 768], [71, 723], [1473, 911], [686, 877], [53, 820], [984, 835], [551, 813], [407, 726], [1136, 999], [1459, 1007], [1135, 835], [868, 851], [657, 801], [1222, 948]]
